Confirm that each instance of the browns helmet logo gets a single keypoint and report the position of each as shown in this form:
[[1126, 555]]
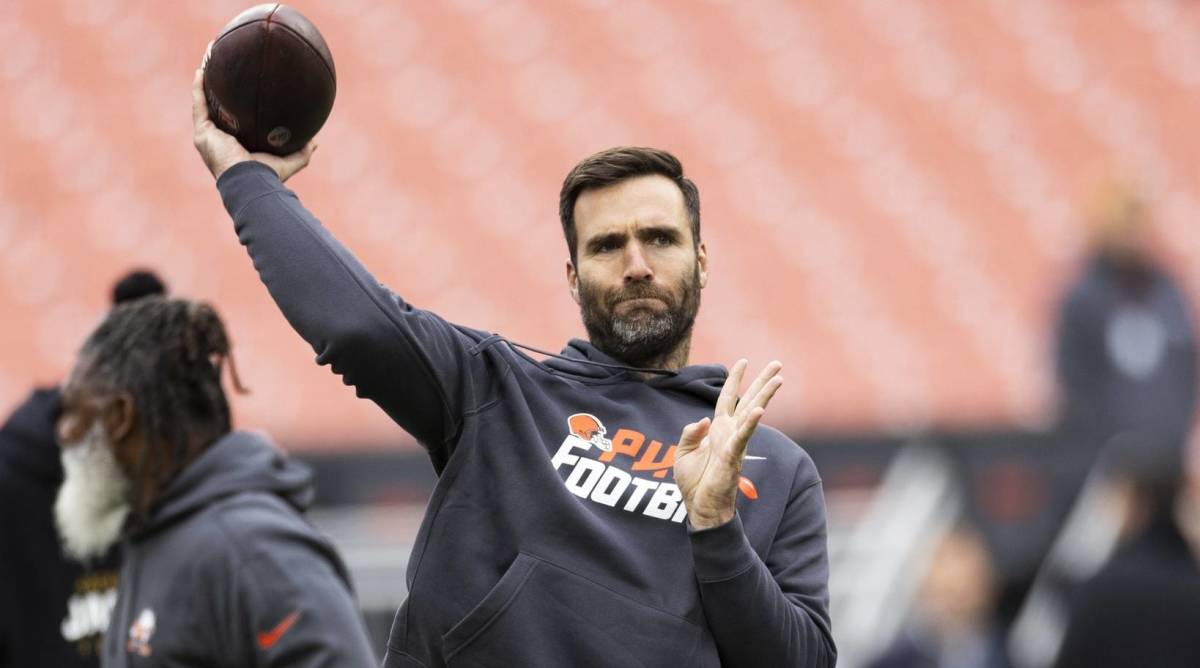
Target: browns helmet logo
[[589, 428], [140, 633]]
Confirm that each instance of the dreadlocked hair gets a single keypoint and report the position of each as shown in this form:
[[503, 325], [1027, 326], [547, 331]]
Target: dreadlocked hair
[[168, 355]]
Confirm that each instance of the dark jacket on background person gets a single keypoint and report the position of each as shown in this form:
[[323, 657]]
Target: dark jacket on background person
[[226, 571], [1126, 353], [53, 610], [1141, 609], [556, 535]]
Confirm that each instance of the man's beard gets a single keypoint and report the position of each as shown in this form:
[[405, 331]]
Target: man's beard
[[642, 337], [93, 501]]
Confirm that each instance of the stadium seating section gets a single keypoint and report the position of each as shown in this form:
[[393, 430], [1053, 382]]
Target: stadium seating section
[[891, 189]]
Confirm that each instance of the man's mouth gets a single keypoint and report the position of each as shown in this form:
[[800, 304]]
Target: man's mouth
[[635, 303]]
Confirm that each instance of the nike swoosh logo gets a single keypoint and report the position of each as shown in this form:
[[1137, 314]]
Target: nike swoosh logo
[[267, 640], [752, 457]]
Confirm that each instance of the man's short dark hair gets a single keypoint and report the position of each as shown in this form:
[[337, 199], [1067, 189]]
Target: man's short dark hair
[[618, 164]]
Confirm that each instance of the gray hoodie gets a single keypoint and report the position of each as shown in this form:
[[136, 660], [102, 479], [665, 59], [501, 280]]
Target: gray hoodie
[[556, 535], [227, 572]]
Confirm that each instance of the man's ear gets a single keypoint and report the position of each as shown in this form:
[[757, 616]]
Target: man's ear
[[573, 281], [120, 418], [702, 261]]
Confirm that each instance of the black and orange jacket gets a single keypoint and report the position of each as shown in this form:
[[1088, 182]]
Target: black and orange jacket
[[556, 535]]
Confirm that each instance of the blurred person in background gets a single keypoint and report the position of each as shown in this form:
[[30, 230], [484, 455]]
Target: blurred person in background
[[219, 565], [53, 609], [1126, 348], [554, 536], [953, 624], [1126, 364], [1142, 608]]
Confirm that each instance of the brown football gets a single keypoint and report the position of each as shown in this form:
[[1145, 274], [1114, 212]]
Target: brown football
[[269, 79]]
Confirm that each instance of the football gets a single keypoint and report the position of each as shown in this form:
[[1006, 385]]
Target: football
[[269, 79]]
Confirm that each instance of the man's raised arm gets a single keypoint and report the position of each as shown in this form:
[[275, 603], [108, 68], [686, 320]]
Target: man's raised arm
[[410, 362], [762, 613]]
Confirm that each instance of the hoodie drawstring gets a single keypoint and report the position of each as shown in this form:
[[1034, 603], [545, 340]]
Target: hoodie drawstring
[[576, 360]]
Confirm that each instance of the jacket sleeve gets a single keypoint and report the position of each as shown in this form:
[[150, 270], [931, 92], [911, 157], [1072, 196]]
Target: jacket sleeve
[[408, 361], [295, 610], [772, 611]]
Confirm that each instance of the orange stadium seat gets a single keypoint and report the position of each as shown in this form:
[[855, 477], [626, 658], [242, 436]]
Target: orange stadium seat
[[890, 189]]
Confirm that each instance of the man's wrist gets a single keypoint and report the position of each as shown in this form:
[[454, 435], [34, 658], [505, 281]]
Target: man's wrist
[[247, 166], [721, 552], [702, 521], [244, 182], [224, 168]]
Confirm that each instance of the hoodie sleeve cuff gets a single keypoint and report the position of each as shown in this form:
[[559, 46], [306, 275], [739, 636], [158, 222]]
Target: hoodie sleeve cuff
[[244, 182], [722, 552]]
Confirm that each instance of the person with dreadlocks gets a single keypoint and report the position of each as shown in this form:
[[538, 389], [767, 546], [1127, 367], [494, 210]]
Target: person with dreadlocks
[[53, 608], [220, 566]]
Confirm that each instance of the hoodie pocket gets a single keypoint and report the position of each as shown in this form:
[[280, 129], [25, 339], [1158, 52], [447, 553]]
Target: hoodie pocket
[[540, 614]]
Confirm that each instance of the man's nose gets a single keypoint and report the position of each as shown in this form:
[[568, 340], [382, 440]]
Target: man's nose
[[636, 267]]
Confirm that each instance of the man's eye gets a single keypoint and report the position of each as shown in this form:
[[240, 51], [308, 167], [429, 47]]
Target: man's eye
[[606, 247], [662, 240]]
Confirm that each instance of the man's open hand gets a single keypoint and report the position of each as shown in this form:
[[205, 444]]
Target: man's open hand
[[709, 457], [221, 151]]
